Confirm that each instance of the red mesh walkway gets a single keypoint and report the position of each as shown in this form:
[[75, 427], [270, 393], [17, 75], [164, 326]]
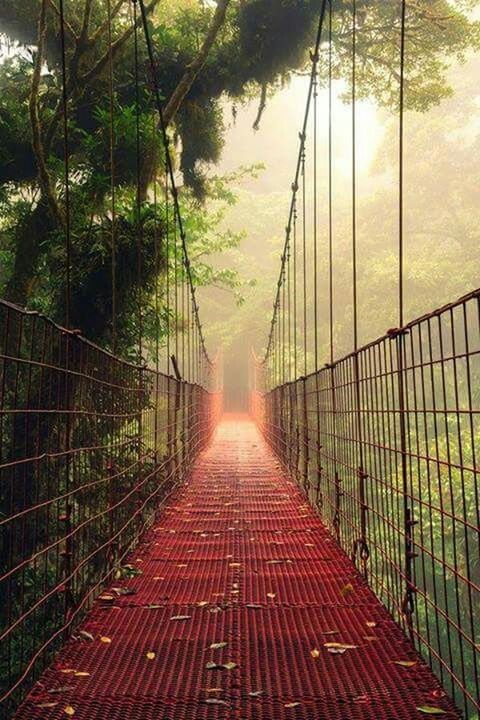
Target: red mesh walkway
[[238, 560]]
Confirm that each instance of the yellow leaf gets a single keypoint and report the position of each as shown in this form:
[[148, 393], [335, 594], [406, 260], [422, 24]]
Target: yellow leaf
[[371, 624], [218, 645], [405, 663], [315, 653], [150, 655], [67, 671], [339, 646], [291, 705], [202, 603], [82, 674], [347, 589], [212, 690], [431, 710], [68, 710], [105, 639], [271, 595]]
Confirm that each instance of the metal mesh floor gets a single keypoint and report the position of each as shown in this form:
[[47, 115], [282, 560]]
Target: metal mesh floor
[[238, 562]]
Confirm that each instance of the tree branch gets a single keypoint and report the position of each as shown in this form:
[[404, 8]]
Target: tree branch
[[101, 64], [196, 66], [261, 107], [102, 29]]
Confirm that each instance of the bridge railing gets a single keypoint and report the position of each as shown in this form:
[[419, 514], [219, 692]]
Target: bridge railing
[[90, 445], [386, 444]]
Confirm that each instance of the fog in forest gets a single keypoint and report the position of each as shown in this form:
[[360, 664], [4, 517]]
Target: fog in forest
[[442, 193]]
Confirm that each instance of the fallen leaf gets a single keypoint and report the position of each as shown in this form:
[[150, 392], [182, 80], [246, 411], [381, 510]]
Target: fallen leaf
[[209, 690], [347, 590], [220, 666], [337, 651], [430, 710], [291, 705], [150, 655], [370, 638], [181, 617], [339, 646], [405, 663], [215, 701], [315, 653], [154, 607], [271, 595], [82, 674], [47, 705], [86, 635], [106, 640], [218, 645], [253, 606], [256, 693], [106, 598], [371, 624], [66, 671], [202, 603], [235, 564], [68, 710], [330, 632]]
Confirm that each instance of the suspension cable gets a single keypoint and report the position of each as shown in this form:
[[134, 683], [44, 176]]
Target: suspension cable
[[297, 170], [173, 188]]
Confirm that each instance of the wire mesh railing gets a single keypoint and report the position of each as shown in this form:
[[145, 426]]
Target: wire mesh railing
[[90, 446], [405, 508]]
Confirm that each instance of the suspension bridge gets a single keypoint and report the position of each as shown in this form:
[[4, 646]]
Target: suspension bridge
[[318, 558]]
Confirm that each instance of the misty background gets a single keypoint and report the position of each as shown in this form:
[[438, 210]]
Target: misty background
[[442, 194]]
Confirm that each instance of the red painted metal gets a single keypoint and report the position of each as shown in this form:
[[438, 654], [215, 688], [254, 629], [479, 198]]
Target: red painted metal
[[240, 554]]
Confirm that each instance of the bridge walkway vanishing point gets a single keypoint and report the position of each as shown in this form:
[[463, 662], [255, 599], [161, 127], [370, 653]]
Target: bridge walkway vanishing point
[[240, 605]]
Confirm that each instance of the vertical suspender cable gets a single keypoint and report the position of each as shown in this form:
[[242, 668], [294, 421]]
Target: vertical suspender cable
[[68, 239], [354, 176], [139, 232], [360, 543], [330, 185], [315, 239], [295, 270], [408, 605], [401, 167], [168, 270], [304, 247], [113, 234]]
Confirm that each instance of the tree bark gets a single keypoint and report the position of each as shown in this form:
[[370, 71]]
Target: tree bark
[[46, 186], [192, 71]]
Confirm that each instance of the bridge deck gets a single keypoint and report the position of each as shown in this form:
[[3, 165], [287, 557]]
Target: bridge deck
[[238, 560]]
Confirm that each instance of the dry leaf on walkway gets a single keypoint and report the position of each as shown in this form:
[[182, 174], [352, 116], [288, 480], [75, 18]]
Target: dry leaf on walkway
[[105, 640], [181, 617], [69, 710], [405, 663], [150, 655], [315, 653], [431, 710], [218, 645]]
